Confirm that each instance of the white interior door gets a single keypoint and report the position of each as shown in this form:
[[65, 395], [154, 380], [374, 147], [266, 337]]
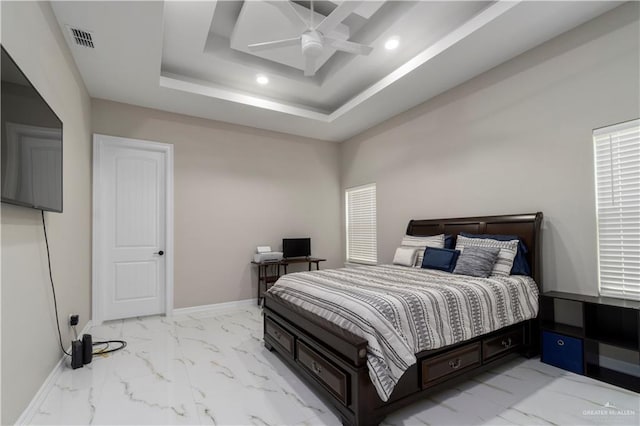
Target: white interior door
[[131, 202]]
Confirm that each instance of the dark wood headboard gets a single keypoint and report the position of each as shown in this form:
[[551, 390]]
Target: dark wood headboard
[[525, 226]]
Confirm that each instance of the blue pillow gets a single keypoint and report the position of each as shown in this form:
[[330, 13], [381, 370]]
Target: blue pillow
[[520, 264], [448, 241], [440, 258]]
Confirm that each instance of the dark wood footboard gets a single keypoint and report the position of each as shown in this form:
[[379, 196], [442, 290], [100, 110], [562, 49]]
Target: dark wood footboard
[[331, 360]]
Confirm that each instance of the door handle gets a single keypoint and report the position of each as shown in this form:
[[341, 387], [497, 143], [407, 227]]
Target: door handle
[[159, 252]]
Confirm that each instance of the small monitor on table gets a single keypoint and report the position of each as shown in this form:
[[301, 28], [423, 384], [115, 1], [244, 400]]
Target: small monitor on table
[[296, 247]]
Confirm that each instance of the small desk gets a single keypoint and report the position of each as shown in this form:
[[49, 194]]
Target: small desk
[[264, 279], [309, 260]]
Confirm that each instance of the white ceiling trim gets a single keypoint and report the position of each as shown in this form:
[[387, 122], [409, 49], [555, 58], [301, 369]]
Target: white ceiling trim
[[126, 65], [448, 41], [198, 87]]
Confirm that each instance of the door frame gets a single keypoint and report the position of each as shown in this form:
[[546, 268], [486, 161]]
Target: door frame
[[100, 141]]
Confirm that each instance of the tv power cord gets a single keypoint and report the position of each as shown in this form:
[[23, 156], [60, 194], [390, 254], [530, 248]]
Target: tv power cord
[[81, 350]]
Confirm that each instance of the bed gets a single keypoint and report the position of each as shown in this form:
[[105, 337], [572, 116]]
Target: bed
[[338, 356]]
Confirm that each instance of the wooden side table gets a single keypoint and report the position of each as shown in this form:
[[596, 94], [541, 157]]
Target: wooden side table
[[264, 278]]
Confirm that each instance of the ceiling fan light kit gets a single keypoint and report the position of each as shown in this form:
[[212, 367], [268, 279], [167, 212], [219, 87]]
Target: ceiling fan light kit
[[314, 40], [311, 44]]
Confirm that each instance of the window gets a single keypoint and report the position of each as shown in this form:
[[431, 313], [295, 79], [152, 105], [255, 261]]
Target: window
[[617, 170], [362, 244]]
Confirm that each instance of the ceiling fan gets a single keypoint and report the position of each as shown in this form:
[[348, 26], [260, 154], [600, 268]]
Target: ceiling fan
[[315, 38]]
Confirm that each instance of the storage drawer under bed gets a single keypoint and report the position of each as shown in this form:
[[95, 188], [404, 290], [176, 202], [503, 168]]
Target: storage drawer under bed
[[439, 368], [502, 343], [330, 376], [279, 334]]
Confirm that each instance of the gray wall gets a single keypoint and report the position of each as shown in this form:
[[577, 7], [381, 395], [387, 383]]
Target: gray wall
[[30, 346], [235, 188], [516, 139]]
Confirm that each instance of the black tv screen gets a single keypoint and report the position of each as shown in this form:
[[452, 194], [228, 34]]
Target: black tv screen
[[296, 247], [31, 143]]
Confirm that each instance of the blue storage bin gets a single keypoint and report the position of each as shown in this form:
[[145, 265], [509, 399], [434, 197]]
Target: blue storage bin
[[562, 351]]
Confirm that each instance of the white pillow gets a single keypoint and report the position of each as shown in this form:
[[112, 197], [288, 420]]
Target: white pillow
[[508, 250], [421, 243], [405, 256]]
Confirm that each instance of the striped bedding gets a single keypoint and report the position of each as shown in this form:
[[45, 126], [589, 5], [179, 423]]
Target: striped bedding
[[401, 311]]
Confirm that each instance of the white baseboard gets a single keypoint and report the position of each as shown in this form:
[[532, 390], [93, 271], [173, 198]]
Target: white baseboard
[[216, 307], [26, 417]]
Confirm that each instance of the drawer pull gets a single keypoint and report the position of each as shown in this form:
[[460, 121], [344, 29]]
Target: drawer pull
[[507, 343], [277, 334], [315, 367], [560, 342], [455, 364]]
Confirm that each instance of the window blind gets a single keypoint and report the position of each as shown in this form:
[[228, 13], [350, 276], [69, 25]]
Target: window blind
[[361, 228], [617, 170]]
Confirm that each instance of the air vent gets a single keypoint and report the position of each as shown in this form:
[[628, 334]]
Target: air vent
[[81, 37]]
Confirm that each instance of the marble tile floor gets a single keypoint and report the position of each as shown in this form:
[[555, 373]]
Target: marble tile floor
[[212, 368]]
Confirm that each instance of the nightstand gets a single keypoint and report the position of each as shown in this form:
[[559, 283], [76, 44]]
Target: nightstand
[[598, 337]]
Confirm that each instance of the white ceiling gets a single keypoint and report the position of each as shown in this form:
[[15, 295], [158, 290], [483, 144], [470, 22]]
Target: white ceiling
[[191, 57]]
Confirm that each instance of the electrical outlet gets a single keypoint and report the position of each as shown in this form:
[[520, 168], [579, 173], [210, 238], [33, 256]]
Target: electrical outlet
[[74, 319]]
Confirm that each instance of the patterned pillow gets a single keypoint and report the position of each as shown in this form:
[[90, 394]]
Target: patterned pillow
[[508, 250], [477, 261], [421, 243], [405, 256], [520, 263]]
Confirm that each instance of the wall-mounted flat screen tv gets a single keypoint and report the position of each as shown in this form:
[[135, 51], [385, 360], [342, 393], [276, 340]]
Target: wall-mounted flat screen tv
[[296, 247], [31, 143]]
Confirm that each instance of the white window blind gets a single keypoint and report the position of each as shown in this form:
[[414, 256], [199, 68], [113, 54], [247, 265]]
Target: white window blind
[[617, 169], [362, 244]]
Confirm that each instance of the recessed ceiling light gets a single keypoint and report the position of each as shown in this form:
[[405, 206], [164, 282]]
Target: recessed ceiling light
[[392, 43], [262, 79]]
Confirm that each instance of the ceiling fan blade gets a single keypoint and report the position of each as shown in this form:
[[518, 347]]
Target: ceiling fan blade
[[309, 66], [256, 47], [348, 46], [287, 9], [338, 15]]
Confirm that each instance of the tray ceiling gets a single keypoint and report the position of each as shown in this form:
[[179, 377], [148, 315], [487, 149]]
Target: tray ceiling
[[192, 57]]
